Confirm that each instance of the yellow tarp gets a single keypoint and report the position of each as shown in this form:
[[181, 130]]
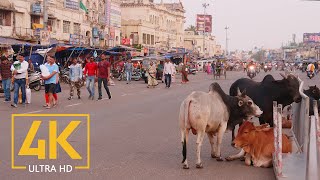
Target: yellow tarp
[[37, 26]]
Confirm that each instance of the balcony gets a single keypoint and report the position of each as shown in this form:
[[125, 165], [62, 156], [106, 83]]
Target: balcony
[[26, 34]]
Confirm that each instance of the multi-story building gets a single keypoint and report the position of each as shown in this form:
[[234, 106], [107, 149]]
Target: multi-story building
[[67, 21], [153, 25], [205, 46]]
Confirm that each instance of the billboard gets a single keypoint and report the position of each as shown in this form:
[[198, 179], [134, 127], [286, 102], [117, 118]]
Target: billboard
[[76, 39], [44, 37], [204, 23], [108, 11], [311, 37], [71, 4], [115, 15]]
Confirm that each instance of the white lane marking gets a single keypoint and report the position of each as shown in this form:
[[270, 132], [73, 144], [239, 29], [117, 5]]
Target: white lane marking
[[77, 104], [33, 112], [124, 94]]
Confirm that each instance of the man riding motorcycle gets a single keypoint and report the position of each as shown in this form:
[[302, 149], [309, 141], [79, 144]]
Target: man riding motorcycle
[[310, 70]]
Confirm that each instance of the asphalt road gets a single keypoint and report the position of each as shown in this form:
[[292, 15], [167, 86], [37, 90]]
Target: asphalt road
[[135, 135]]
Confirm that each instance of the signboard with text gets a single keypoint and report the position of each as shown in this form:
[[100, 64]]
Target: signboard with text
[[71, 4], [204, 23], [76, 39], [44, 37], [311, 37]]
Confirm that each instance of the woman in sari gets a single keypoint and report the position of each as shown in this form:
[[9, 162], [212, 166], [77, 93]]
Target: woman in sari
[[152, 81], [184, 74], [208, 68]]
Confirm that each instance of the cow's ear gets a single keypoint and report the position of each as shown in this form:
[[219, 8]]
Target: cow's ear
[[240, 103]]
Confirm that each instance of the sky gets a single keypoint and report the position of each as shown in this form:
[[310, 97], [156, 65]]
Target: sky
[[257, 23]]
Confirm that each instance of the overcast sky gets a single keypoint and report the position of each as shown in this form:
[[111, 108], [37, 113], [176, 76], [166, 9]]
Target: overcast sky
[[259, 23]]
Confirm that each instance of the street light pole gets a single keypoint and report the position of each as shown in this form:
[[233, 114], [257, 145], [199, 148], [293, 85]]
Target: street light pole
[[45, 15], [205, 5], [226, 28]]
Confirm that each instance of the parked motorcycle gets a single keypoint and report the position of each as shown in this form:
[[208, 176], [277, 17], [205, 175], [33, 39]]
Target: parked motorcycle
[[310, 74], [35, 81], [251, 72], [192, 71]]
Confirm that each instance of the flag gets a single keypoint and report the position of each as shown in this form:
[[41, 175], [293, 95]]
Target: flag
[[83, 7]]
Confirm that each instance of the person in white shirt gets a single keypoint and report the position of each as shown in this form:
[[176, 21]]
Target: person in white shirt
[[168, 71], [20, 71]]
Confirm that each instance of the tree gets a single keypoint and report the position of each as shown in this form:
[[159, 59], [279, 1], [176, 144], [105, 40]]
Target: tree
[[258, 56], [192, 28]]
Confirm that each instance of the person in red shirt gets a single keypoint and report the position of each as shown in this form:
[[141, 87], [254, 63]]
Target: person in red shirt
[[90, 73], [103, 75]]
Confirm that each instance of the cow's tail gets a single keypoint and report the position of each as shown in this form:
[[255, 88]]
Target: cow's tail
[[185, 118]]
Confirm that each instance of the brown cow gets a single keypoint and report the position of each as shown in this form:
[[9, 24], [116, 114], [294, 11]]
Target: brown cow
[[258, 143]]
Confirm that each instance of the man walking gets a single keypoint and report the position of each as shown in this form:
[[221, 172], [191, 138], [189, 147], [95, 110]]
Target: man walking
[[19, 70], [168, 71], [128, 68], [90, 73], [103, 75], [5, 76], [75, 75], [51, 81]]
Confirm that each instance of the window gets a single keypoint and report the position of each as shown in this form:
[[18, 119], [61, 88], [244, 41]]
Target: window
[[66, 26], [144, 38], [148, 38], [76, 28], [152, 39], [58, 24], [5, 18]]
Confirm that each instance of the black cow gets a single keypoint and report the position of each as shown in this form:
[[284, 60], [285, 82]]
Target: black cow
[[314, 94], [285, 92]]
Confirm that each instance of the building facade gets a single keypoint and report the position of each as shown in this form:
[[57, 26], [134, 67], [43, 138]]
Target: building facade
[[148, 24], [67, 21], [204, 46]]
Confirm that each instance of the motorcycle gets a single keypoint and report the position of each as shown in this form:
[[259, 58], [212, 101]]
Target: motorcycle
[[192, 71], [35, 81], [265, 68], [310, 74], [251, 72]]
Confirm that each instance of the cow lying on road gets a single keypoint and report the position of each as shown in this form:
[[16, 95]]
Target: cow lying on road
[[212, 113], [258, 143]]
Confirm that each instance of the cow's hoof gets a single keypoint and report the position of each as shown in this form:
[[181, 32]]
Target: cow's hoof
[[199, 166], [213, 156], [219, 158], [185, 166], [229, 159]]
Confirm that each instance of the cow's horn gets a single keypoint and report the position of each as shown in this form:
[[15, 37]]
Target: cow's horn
[[238, 92], [284, 76]]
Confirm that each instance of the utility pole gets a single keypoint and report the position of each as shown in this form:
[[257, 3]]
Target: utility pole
[[205, 5], [226, 52], [45, 15]]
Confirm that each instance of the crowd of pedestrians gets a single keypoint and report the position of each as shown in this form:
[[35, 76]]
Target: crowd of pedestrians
[[16, 73]]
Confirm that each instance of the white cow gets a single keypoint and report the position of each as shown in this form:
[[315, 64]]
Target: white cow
[[209, 113]]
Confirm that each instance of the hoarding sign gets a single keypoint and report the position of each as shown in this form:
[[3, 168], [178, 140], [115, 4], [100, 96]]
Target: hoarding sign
[[125, 41], [115, 15], [311, 37], [71, 4], [108, 11], [44, 37], [204, 23], [36, 8], [76, 39]]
